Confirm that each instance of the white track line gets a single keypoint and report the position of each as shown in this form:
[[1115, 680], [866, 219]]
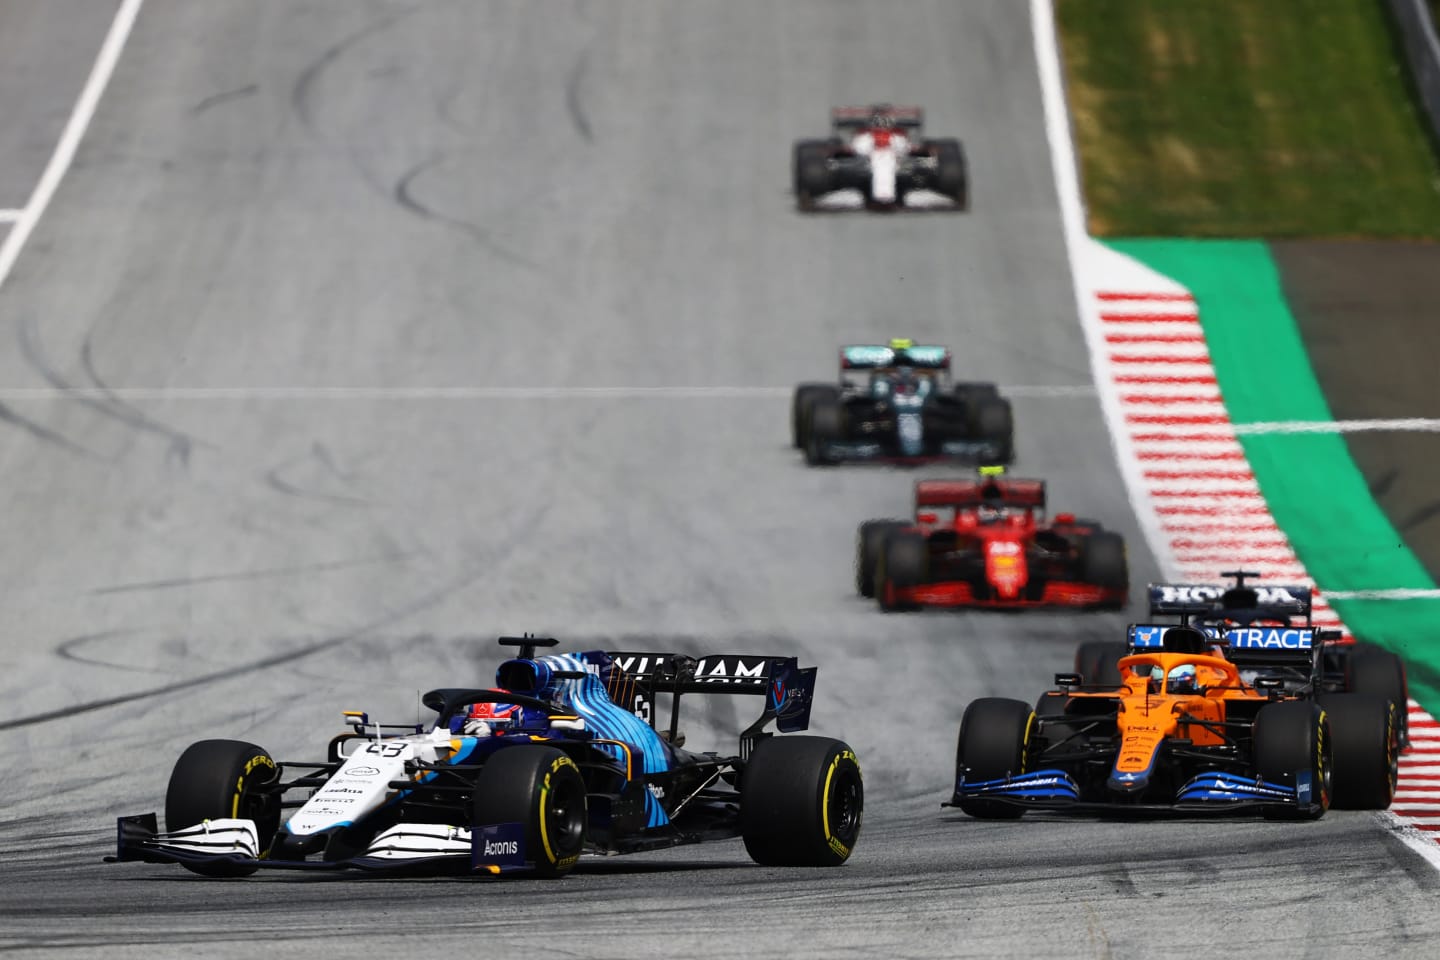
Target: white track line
[[48, 394], [1411, 424], [10, 216], [1396, 594], [69, 142]]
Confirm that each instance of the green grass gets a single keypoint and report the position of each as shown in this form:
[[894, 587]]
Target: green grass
[[1246, 118]]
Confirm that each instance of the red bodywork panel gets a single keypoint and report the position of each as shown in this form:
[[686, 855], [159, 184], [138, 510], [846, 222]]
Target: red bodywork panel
[[1003, 544]]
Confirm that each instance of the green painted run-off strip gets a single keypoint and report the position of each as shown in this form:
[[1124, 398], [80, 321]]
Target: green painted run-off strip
[[1314, 490]]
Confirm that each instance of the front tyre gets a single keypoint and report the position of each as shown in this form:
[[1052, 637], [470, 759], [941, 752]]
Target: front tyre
[[994, 744], [806, 396], [541, 788], [1292, 739], [869, 541], [802, 801], [224, 779]]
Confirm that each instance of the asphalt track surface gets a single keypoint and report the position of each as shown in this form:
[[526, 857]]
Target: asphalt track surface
[[395, 198]]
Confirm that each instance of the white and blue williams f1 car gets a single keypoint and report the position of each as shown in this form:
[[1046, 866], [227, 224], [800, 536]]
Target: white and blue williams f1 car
[[563, 759]]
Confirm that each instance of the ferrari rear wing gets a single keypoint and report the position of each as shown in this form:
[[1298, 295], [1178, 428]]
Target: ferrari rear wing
[[1008, 491]]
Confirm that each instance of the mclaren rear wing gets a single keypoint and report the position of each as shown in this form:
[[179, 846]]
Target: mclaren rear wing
[[635, 679]]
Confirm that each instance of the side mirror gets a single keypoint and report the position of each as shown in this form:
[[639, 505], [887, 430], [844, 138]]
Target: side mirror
[[1064, 518], [926, 517], [1323, 635], [1067, 680]]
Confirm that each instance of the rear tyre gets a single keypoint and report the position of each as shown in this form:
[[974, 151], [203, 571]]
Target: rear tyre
[[826, 424], [952, 177], [904, 562], [812, 172], [541, 788], [1098, 662], [1291, 741], [1378, 672], [1103, 563], [219, 779], [868, 543], [802, 801], [993, 744], [1364, 739], [994, 423]]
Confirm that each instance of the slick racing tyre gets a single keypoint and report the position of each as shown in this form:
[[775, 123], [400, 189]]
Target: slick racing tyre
[[801, 802], [826, 424], [1103, 563], [972, 394], [869, 541], [812, 172], [1378, 672], [994, 743], [904, 562], [541, 788], [220, 779], [806, 396], [995, 424], [952, 178], [1098, 662], [1365, 742], [1293, 737]]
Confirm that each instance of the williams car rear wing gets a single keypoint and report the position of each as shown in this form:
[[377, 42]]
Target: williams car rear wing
[[632, 679]]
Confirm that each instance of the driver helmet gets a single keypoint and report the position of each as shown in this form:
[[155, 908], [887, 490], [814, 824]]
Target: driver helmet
[[1182, 679], [990, 513], [881, 118], [487, 719]]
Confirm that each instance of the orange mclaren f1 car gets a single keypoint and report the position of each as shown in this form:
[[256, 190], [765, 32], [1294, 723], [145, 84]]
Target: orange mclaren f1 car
[[1184, 731]]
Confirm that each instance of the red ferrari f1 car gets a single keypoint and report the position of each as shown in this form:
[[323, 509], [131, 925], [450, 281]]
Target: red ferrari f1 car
[[986, 543]]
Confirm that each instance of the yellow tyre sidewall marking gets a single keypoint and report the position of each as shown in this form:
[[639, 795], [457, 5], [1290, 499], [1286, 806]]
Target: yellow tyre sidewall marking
[[550, 855], [832, 841], [259, 760]]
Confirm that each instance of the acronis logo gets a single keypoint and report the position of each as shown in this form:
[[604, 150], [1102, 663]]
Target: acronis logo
[[1270, 638]]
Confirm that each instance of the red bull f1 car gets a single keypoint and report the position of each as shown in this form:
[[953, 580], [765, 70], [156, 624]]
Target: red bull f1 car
[[880, 152], [1187, 729], [561, 760], [985, 542], [896, 403]]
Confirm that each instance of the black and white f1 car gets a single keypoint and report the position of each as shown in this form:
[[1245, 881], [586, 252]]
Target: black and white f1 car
[[881, 152], [562, 760]]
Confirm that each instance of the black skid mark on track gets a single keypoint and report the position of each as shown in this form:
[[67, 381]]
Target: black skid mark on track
[[404, 194], [44, 434], [275, 478], [1384, 483], [247, 575], [480, 572], [1421, 516], [215, 99], [573, 106], [65, 650], [302, 95], [180, 444]]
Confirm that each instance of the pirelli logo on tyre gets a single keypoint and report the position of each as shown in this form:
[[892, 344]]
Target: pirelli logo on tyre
[[838, 846]]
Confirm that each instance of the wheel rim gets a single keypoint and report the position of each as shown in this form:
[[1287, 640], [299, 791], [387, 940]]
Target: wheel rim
[[846, 805], [564, 815]]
